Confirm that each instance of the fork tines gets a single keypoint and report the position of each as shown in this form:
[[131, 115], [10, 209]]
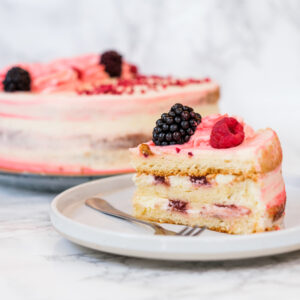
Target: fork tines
[[188, 231]]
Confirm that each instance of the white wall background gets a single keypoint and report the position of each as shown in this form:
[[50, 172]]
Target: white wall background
[[252, 47]]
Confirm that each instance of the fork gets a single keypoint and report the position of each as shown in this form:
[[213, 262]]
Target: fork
[[103, 206]]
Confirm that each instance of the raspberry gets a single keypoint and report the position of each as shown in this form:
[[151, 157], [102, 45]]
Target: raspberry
[[17, 79], [134, 69], [227, 133], [112, 61]]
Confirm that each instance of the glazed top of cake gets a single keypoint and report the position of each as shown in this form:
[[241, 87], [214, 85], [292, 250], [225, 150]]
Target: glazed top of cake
[[262, 146], [200, 140], [88, 75]]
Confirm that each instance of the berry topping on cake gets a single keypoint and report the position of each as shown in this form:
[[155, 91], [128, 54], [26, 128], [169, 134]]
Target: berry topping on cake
[[134, 69], [112, 61], [17, 79], [227, 133], [176, 126]]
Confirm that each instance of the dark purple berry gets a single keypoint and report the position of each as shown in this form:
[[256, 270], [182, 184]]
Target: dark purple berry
[[176, 126], [193, 123], [169, 120], [185, 115], [164, 116], [157, 130], [182, 132], [172, 113], [177, 119], [190, 131], [177, 105], [198, 118], [155, 135], [187, 108], [176, 136], [17, 79], [112, 62], [161, 136], [173, 127], [165, 127], [159, 122], [169, 137], [178, 111], [184, 124]]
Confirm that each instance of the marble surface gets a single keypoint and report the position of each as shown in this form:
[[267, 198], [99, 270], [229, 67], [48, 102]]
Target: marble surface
[[36, 263]]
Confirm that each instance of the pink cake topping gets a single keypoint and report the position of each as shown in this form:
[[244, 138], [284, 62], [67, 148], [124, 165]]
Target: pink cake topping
[[85, 75], [201, 138], [63, 75]]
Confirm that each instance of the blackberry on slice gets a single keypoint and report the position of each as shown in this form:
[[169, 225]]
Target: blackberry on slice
[[176, 127], [17, 79], [112, 62]]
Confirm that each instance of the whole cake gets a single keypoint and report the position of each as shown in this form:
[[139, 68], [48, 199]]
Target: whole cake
[[80, 115], [222, 174]]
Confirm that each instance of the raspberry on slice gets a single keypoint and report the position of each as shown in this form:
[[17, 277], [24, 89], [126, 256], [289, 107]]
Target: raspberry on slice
[[227, 133]]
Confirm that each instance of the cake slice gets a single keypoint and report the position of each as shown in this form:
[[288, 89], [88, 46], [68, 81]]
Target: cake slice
[[218, 173]]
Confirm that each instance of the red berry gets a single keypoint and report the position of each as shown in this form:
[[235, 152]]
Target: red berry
[[133, 69], [227, 133]]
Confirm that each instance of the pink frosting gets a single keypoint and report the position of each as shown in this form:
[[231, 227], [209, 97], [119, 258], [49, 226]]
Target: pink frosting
[[68, 74], [200, 139]]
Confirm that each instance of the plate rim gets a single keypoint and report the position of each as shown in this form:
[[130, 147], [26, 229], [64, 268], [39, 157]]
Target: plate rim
[[63, 224]]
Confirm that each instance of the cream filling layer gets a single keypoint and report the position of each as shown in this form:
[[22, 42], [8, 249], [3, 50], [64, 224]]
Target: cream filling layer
[[267, 191], [205, 210]]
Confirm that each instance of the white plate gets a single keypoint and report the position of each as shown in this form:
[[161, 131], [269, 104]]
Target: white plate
[[90, 228]]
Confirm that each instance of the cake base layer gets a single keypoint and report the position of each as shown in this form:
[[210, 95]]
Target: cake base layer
[[241, 225]]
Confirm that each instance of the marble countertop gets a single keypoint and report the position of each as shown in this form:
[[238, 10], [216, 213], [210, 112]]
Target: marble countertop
[[36, 263]]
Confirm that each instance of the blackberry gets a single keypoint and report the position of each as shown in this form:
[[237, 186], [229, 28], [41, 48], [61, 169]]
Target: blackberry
[[17, 79], [112, 62], [176, 127]]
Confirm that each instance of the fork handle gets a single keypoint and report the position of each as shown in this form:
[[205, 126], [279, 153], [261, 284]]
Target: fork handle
[[104, 207]]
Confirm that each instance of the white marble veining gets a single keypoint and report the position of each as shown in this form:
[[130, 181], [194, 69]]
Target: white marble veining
[[36, 263], [251, 47]]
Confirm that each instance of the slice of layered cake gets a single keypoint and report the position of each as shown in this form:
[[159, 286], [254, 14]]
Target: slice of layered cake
[[215, 172]]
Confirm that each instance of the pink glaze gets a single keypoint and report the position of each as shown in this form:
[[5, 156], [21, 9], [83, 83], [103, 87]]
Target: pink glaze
[[253, 144], [200, 139], [69, 74]]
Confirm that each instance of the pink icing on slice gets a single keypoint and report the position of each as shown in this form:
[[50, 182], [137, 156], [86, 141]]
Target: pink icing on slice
[[200, 139]]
